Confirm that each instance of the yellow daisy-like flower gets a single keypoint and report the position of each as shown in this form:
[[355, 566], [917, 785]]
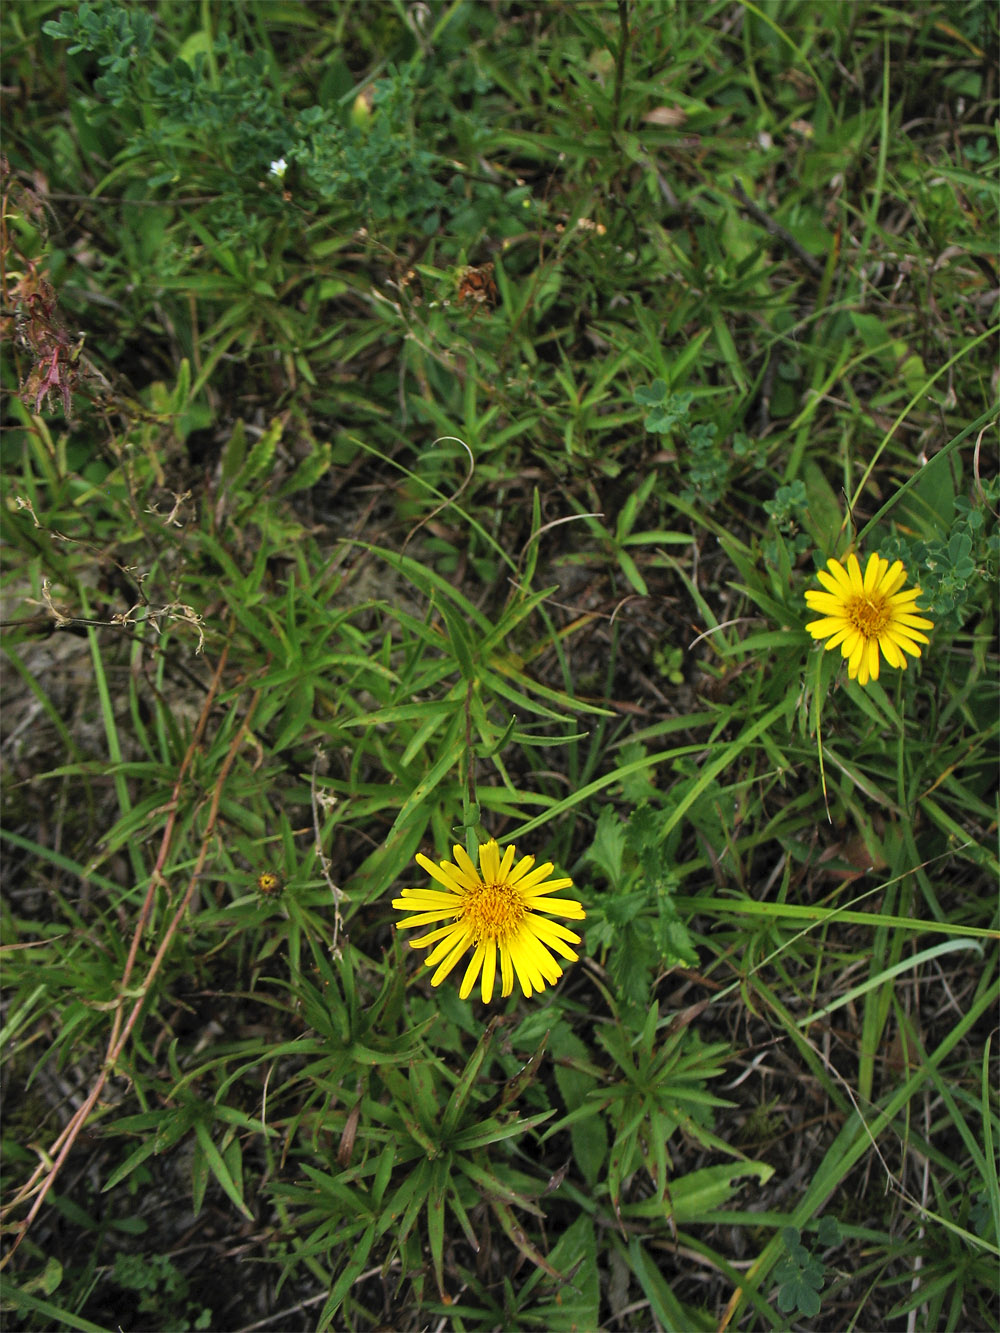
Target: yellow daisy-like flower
[[862, 616], [494, 908]]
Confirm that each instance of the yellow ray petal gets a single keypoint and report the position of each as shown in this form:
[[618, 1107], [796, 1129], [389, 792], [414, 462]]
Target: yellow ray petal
[[472, 972], [489, 972], [449, 962], [440, 873]]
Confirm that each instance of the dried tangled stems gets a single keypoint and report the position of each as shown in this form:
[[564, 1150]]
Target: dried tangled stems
[[37, 1187]]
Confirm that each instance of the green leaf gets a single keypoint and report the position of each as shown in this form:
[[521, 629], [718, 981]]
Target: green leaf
[[349, 1275], [608, 847], [422, 1095], [460, 1094], [576, 1304], [262, 453], [215, 1163], [631, 571], [308, 472], [435, 1220], [54, 1316], [649, 397], [673, 1314], [588, 1133], [492, 1131], [697, 1197]]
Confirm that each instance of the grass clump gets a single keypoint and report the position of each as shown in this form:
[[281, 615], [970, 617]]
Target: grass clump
[[423, 426]]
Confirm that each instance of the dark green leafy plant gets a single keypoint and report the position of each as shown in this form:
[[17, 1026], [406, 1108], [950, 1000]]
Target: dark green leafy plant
[[376, 164], [635, 921], [706, 470], [787, 510], [952, 568], [800, 1276], [161, 1289], [119, 36]]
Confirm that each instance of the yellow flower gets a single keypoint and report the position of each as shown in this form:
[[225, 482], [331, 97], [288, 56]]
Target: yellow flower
[[863, 615], [495, 907]]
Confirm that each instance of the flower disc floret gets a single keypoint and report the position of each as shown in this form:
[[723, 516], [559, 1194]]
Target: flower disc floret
[[867, 615], [495, 910]]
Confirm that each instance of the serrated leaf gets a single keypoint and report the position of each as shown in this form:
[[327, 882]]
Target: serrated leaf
[[261, 455], [608, 848], [589, 1138], [308, 472], [576, 1307]]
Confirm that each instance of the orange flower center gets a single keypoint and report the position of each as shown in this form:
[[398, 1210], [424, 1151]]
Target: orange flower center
[[872, 616], [493, 911]]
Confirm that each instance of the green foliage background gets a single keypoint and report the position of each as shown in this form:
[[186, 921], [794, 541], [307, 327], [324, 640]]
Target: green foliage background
[[319, 553]]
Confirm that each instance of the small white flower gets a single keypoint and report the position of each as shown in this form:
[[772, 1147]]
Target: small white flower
[[279, 168]]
